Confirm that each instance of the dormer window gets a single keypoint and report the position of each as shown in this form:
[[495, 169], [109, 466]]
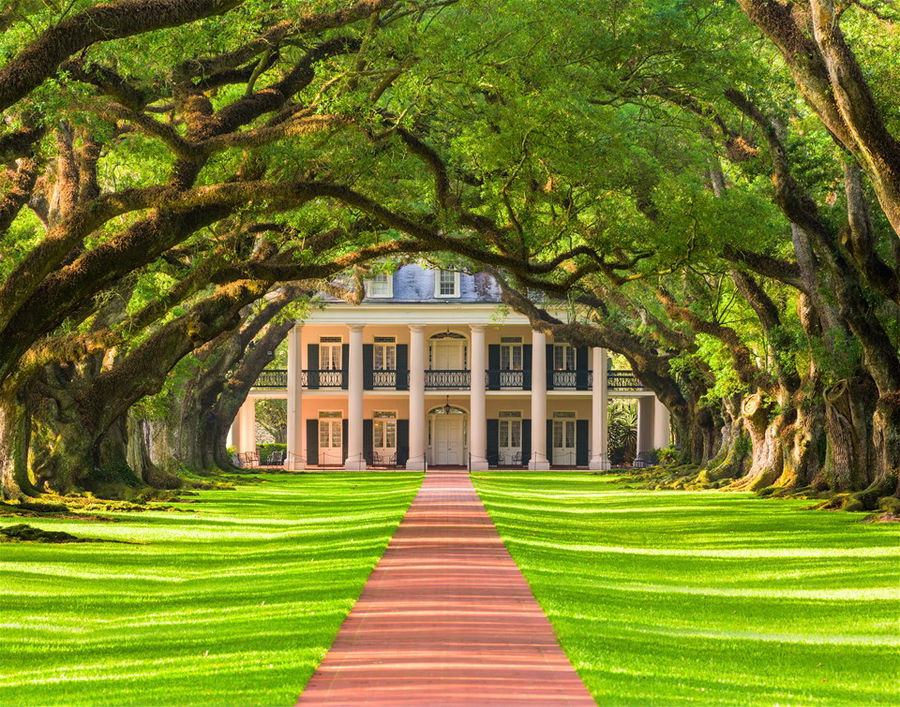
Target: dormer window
[[380, 285], [446, 283]]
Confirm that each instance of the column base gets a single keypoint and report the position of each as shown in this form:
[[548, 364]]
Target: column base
[[600, 463], [538, 464], [294, 465], [642, 460], [479, 465], [355, 464], [415, 464]]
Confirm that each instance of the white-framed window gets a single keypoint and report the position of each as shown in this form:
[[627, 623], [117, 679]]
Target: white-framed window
[[563, 357], [380, 285], [330, 428], [384, 430], [563, 432], [330, 358], [509, 433], [446, 283], [384, 352], [511, 353]]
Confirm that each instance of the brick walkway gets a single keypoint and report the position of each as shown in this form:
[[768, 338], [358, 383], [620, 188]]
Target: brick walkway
[[446, 618]]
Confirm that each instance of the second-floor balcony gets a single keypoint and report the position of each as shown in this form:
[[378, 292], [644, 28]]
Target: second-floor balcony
[[495, 379], [447, 379]]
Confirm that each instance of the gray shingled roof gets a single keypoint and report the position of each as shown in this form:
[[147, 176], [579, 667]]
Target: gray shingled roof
[[415, 284]]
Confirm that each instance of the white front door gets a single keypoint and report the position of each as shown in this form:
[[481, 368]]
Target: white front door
[[331, 448], [564, 442], [447, 440], [447, 355], [510, 443]]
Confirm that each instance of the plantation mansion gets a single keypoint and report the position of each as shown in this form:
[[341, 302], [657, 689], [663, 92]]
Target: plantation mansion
[[429, 370]]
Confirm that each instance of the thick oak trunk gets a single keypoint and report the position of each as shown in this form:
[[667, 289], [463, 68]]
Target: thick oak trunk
[[849, 406], [764, 425], [731, 461]]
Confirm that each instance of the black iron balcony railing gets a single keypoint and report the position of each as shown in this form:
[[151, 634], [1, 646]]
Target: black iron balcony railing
[[272, 378], [618, 380], [504, 379], [623, 380], [384, 379], [322, 378], [563, 380], [446, 380]]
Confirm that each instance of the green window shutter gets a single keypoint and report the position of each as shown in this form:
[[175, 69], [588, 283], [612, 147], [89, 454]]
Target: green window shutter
[[368, 365], [581, 368], [526, 441], [493, 442], [368, 441], [402, 442], [312, 363], [549, 441], [312, 442], [494, 367], [402, 367], [526, 376], [581, 442]]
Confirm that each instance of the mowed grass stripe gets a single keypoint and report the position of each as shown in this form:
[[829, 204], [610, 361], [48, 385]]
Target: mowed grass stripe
[[709, 597], [233, 602]]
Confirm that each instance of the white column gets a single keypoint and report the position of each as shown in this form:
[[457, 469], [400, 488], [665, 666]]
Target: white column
[[599, 411], [644, 430], [660, 424], [538, 402], [477, 403], [416, 397], [234, 436], [247, 423], [355, 460], [295, 457]]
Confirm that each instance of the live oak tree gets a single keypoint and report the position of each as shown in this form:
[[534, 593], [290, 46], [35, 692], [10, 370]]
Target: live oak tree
[[720, 211]]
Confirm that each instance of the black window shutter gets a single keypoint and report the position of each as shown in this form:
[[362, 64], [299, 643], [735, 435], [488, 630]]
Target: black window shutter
[[402, 442], [549, 366], [368, 441], [368, 365], [581, 368], [312, 363], [493, 442], [345, 425], [402, 366], [526, 442], [549, 441], [312, 441], [494, 367], [526, 364], [345, 365], [581, 442]]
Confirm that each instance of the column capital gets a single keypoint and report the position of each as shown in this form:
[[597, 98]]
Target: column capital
[[477, 327], [355, 326], [417, 327]]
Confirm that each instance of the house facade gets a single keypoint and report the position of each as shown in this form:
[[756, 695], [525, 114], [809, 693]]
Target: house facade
[[431, 370]]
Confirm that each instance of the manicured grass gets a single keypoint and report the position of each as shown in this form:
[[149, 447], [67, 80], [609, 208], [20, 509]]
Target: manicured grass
[[668, 597], [233, 602]]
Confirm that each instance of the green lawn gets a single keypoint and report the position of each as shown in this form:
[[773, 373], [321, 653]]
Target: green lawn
[[668, 597], [233, 602]]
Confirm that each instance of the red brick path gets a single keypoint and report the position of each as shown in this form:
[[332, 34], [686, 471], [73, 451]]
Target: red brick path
[[446, 618]]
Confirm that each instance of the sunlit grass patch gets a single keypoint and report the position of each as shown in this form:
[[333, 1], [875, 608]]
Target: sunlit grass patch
[[233, 602], [706, 597]]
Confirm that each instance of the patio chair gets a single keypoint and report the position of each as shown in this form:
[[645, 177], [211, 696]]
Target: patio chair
[[248, 460], [276, 458]]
